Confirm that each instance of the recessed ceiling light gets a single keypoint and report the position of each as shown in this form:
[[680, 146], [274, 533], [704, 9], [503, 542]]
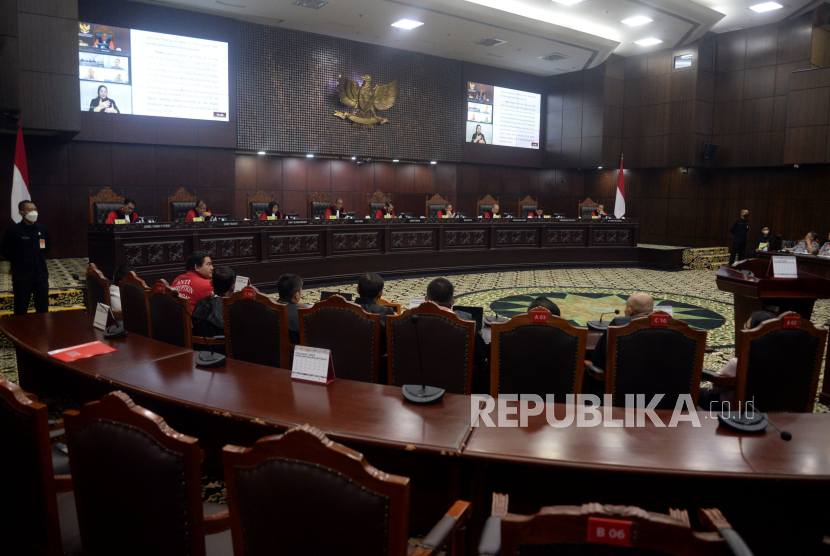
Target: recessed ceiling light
[[354, 158], [395, 160], [567, 2], [648, 42], [407, 24], [309, 156], [599, 167], [434, 162], [637, 20], [766, 7], [261, 152]]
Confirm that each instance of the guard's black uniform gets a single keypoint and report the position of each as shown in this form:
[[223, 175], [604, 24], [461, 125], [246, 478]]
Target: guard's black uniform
[[738, 229], [26, 247]]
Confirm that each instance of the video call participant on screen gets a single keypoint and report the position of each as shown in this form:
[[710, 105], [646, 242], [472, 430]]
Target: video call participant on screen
[[208, 319], [290, 288], [104, 42], [493, 212], [599, 211], [90, 74], [103, 104], [538, 213], [387, 209], [448, 212], [478, 137], [25, 246], [195, 283], [199, 211], [335, 210], [272, 210], [118, 65], [127, 212]]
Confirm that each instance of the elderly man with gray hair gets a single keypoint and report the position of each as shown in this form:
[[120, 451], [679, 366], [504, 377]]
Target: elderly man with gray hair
[[638, 305]]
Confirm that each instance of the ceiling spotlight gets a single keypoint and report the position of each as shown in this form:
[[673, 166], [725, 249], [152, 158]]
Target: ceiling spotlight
[[434, 162], [354, 158], [261, 152], [648, 42], [407, 24], [599, 167], [637, 20], [395, 160], [567, 2], [766, 7], [309, 155]]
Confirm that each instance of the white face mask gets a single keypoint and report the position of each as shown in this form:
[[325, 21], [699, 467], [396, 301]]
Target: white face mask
[[765, 233], [31, 216]]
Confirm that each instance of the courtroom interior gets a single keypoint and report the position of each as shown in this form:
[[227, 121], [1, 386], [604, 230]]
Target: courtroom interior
[[375, 277]]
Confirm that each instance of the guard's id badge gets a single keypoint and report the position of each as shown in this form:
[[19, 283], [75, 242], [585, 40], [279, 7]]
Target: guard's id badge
[[43, 244]]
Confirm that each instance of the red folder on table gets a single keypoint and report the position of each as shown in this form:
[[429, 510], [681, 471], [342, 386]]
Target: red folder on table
[[82, 351]]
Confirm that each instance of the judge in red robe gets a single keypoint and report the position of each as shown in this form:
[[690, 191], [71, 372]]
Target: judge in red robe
[[127, 212], [387, 209]]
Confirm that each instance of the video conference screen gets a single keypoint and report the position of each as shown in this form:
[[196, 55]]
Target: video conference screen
[[499, 116], [126, 71]]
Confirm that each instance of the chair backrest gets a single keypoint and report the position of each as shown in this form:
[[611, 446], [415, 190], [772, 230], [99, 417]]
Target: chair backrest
[[779, 365], [566, 530], [386, 303], [651, 360], [526, 206], [97, 289], [256, 328], [587, 206], [375, 202], [446, 349], [318, 203], [350, 333], [170, 316], [537, 357], [258, 202], [30, 513], [103, 203], [305, 494], [434, 204], [486, 204], [137, 482], [179, 204], [135, 305]]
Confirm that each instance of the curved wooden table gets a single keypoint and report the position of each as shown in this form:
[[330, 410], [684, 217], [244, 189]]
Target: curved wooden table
[[766, 487]]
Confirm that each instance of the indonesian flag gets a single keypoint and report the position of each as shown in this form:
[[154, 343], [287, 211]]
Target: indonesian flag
[[619, 204], [20, 181]]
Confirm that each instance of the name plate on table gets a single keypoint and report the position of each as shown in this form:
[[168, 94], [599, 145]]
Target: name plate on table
[[296, 222], [666, 309], [198, 219], [784, 267], [519, 220], [270, 218], [413, 220], [567, 220], [241, 283], [164, 226], [358, 220], [82, 351], [312, 365], [615, 219], [416, 301], [103, 317], [121, 221], [226, 223], [468, 219]]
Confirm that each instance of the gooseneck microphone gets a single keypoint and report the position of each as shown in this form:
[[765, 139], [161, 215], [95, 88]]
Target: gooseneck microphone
[[423, 394], [212, 359], [785, 435], [615, 312], [742, 422]]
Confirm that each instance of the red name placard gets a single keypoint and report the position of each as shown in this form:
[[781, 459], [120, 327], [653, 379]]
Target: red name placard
[[659, 320], [791, 322], [609, 531], [539, 316], [160, 288], [248, 294]]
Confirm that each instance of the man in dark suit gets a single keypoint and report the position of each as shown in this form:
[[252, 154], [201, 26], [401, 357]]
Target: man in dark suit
[[638, 305], [739, 229], [440, 291], [290, 288], [370, 290], [545, 303]]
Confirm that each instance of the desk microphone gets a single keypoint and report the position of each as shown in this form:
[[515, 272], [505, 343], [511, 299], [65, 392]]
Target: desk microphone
[[421, 395], [615, 311], [741, 422], [212, 359]]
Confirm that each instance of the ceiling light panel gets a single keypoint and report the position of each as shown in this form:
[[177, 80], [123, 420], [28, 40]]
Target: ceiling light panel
[[407, 24], [766, 7], [637, 20], [568, 2], [648, 42]]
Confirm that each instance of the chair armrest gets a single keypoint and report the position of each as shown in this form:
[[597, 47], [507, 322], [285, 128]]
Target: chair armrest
[[714, 520], [594, 371], [451, 525], [716, 378], [490, 542], [63, 483], [218, 522]]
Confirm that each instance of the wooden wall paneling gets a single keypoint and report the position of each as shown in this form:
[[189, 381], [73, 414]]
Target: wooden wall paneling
[[657, 119], [404, 178], [216, 168], [817, 45], [682, 218], [79, 216], [295, 201], [294, 174], [612, 121], [592, 124], [90, 164], [729, 86], [636, 67], [657, 211], [706, 54], [245, 165], [318, 175], [611, 150], [680, 150], [177, 131], [794, 39], [759, 82], [808, 79], [133, 166], [615, 67], [133, 129], [757, 115], [681, 117], [659, 88], [727, 117], [47, 161], [783, 72], [593, 93], [95, 127], [761, 45], [572, 93], [220, 201], [67, 9], [684, 85], [808, 107], [704, 117], [554, 125], [571, 152], [50, 101], [468, 179], [424, 178], [779, 117], [572, 123], [635, 92], [446, 178], [705, 86], [804, 145], [591, 152], [268, 174], [465, 203], [614, 90], [41, 44], [731, 51], [9, 63]]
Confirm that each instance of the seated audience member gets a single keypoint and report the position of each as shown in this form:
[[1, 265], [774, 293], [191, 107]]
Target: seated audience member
[[807, 245], [599, 211], [388, 209], [195, 283], [493, 212], [538, 213], [447, 211], [545, 303], [440, 291], [638, 305], [825, 249], [199, 211], [763, 242], [208, 319], [127, 212], [115, 292], [290, 288], [273, 210], [370, 290], [336, 210]]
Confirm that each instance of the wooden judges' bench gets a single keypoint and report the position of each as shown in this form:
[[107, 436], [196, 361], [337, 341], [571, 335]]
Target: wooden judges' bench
[[766, 487], [329, 250]]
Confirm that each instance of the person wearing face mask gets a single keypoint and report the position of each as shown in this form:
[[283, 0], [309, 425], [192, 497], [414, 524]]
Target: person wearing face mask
[[25, 245], [739, 229], [763, 242]]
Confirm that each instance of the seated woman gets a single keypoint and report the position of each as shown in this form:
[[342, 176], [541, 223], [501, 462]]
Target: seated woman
[[825, 249], [493, 212], [447, 212], [807, 245], [388, 209], [763, 242], [199, 211], [273, 210]]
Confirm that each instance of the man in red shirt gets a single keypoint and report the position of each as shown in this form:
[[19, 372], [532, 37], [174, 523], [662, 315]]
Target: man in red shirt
[[195, 283], [388, 208], [335, 210], [127, 212], [199, 211]]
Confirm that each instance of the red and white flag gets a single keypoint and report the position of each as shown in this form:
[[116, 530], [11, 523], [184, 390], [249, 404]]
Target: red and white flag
[[619, 204], [20, 181]]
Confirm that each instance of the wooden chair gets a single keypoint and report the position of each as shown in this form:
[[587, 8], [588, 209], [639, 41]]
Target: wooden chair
[[305, 494], [386, 303], [447, 344], [257, 203], [651, 360], [318, 203], [256, 328], [527, 205], [97, 289], [552, 365], [586, 207], [39, 514], [103, 203], [350, 333], [138, 483], [434, 204], [485, 205], [375, 202], [135, 305], [778, 368], [170, 316], [179, 204], [569, 528]]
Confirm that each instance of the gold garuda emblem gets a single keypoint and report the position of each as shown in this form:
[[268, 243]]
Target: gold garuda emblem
[[84, 27], [365, 99]]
